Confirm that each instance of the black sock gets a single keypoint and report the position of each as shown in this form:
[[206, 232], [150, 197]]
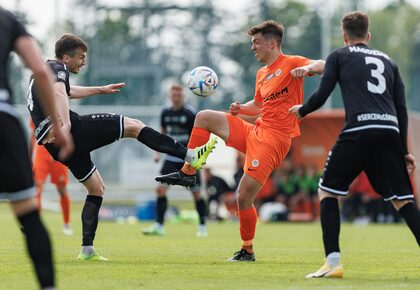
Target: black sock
[[90, 215], [161, 206], [330, 222], [201, 207], [39, 247], [411, 214], [161, 143]]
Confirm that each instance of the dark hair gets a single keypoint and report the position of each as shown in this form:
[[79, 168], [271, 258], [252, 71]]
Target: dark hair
[[67, 44], [355, 24], [269, 29]]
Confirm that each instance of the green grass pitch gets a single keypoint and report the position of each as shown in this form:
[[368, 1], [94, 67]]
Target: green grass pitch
[[375, 257]]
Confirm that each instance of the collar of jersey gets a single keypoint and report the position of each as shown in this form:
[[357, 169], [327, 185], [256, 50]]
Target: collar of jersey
[[276, 62]]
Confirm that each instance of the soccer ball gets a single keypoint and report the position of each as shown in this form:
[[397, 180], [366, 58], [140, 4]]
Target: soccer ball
[[203, 81]]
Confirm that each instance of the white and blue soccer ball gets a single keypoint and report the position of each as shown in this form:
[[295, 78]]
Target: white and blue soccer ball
[[203, 81]]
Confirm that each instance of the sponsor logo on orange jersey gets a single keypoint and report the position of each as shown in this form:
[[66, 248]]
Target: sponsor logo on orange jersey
[[283, 93]]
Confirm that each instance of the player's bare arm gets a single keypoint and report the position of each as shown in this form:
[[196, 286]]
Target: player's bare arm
[[30, 54], [252, 108], [79, 92], [410, 162], [314, 67]]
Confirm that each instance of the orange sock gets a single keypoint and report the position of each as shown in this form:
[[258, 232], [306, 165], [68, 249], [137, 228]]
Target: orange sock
[[199, 136], [65, 207], [247, 225]]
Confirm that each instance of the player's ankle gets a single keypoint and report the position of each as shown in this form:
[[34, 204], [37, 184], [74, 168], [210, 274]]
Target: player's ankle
[[248, 248], [333, 259], [188, 169]]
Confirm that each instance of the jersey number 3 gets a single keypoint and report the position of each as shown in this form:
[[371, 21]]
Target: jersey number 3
[[377, 74]]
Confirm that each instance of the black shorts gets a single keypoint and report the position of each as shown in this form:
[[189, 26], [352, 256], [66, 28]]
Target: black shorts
[[379, 153], [89, 132], [171, 166], [16, 181]]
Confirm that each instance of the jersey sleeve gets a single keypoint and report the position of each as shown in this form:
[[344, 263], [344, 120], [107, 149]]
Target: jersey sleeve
[[61, 75], [327, 85], [401, 108], [299, 60], [19, 30]]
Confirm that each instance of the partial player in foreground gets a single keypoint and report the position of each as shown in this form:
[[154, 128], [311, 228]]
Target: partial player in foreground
[[16, 183], [177, 120], [374, 138], [94, 131], [278, 86], [43, 166]]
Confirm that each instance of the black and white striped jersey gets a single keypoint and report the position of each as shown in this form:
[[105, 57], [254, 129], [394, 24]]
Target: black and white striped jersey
[[371, 88]]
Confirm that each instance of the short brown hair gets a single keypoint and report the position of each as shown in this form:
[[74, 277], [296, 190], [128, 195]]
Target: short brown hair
[[67, 44], [269, 29], [176, 86], [355, 24]]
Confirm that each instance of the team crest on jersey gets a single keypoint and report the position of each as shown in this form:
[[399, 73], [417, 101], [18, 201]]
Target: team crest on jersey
[[61, 75], [278, 72], [255, 163], [183, 119]]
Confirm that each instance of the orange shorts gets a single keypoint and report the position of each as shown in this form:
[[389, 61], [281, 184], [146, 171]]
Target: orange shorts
[[45, 165], [264, 149]]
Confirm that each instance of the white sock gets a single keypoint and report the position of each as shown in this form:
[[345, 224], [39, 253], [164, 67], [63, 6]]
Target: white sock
[[333, 259], [190, 156], [202, 228], [158, 226], [88, 250]]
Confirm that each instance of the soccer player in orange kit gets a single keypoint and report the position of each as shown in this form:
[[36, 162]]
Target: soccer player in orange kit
[[279, 85], [44, 165]]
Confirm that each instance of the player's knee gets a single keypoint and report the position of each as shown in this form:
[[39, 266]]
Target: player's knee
[[244, 201], [196, 195], [398, 204], [62, 190], [98, 190], [323, 194], [132, 127], [203, 117], [161, 191]]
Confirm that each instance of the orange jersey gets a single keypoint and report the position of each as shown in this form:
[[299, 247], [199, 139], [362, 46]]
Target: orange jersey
[[277, 90]]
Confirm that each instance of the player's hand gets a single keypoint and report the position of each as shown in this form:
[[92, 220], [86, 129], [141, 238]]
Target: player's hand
[[112, 88], [299, 72], [295, 111], [156, 157], [235, 108], [410, 162], [63, 139]]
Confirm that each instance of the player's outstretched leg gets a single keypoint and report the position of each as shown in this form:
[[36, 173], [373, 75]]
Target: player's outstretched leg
[[330, 222], [37, 241], [165, 144], [411, 214], [247, 191], [206, 122], [90, 217]]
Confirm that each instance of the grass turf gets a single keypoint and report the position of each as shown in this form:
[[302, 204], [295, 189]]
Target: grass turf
[[375, 257]]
